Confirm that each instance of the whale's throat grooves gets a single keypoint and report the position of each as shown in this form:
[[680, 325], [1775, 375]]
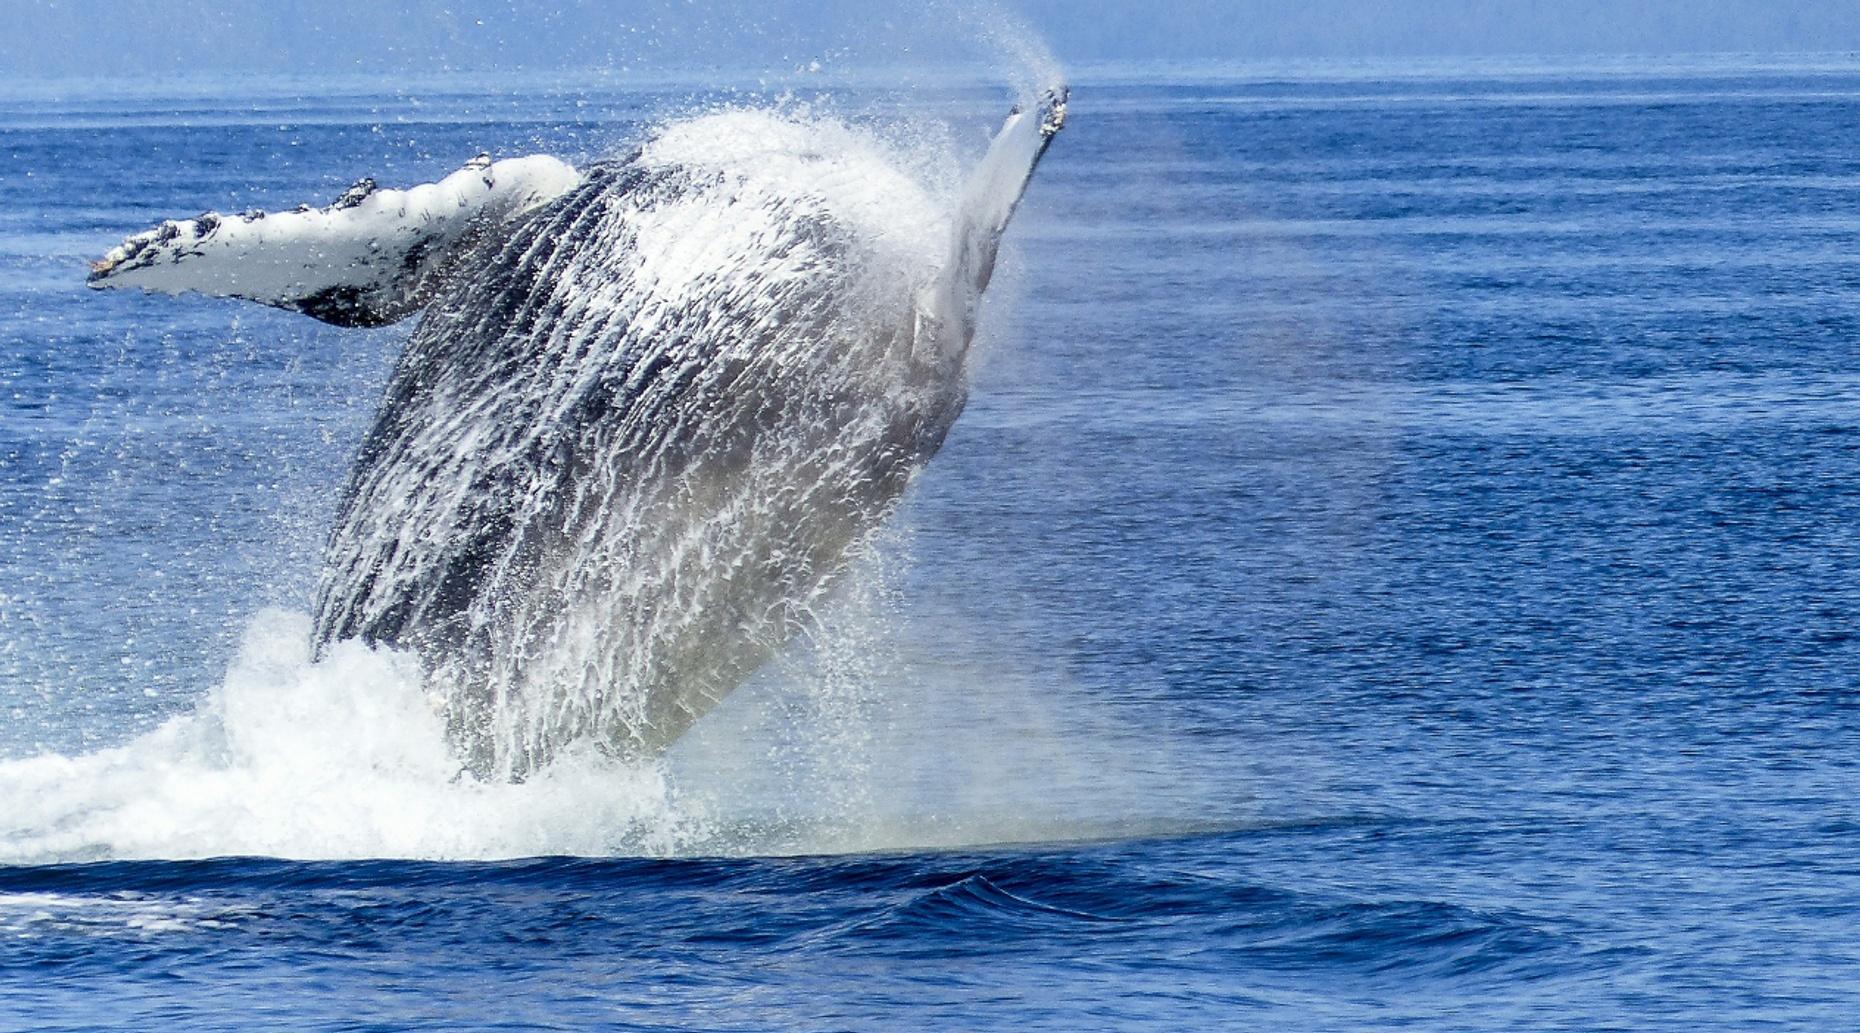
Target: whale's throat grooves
[[616, 469]]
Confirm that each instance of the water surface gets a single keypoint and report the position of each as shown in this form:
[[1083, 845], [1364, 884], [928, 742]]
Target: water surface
[[1394, 573]]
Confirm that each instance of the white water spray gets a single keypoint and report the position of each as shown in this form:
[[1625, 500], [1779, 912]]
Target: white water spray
[[343, 758]]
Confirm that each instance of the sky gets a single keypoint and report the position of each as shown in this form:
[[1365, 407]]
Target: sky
[[132, 39]]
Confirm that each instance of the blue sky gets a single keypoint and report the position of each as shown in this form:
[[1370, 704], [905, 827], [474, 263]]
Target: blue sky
[[144, 38]]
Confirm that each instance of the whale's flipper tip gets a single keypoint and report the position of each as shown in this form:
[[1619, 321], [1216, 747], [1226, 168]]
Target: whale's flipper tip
[[1051, 107], [1053, 110], [371, 257]]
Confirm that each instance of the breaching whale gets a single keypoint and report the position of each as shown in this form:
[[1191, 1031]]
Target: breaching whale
[[649, 409]]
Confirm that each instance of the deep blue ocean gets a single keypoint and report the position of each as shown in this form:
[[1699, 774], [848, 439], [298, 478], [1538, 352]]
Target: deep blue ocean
[[1396, 572]]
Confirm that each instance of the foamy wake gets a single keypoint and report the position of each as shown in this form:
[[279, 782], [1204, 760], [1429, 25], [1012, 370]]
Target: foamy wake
[[342, 758], [851, 748]]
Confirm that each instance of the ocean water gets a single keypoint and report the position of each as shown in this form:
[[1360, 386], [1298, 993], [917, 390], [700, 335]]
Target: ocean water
[[1394, 573]]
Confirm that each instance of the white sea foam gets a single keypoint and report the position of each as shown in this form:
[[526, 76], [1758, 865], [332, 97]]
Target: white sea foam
[[27, 915], [340, 758], [860, 741]]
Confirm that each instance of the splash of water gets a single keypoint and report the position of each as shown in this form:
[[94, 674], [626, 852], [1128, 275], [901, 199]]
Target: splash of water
[[865, 738], [1019, 54], [346, 757]]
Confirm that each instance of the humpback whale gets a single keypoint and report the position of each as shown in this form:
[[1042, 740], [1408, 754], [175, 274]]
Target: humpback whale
[[649, 410]]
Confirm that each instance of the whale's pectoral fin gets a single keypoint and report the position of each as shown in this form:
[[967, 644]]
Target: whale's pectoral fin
[[989, 198], [370, 258]]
